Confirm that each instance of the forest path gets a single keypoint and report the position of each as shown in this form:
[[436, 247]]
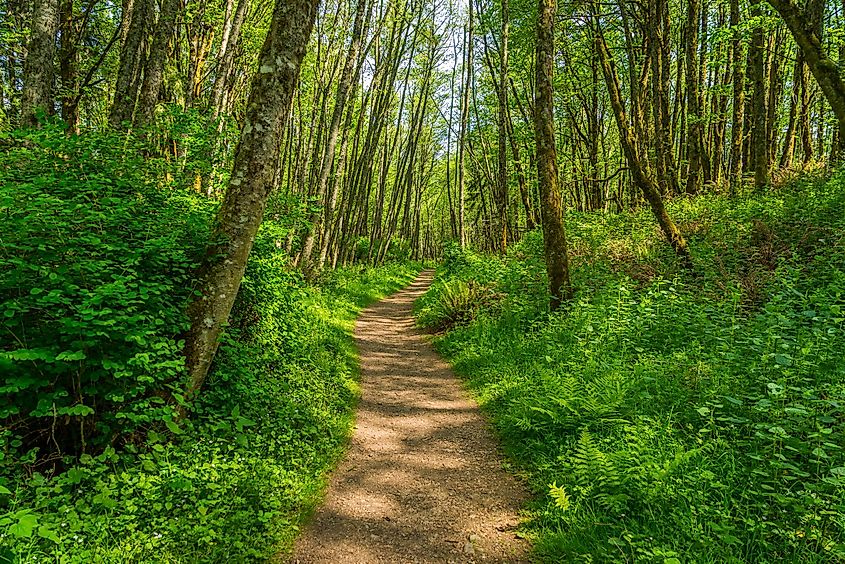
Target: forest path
[[422, 480]]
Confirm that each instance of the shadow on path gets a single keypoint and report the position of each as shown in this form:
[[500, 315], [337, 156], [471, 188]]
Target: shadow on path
[[422, 480]]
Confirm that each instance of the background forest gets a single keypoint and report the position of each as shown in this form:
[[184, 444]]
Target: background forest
[[685, 404]]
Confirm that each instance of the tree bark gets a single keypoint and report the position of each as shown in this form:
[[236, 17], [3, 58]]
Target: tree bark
[[642, 180], [759, 149], [154, 67], [694, 126], [255, 162], [823, 68], [69, 65], [667, 172], [737, 128], [37, 94], [461, 172], [554, 234], [788, 153], [128, 83], [502, 180], [775, 90]]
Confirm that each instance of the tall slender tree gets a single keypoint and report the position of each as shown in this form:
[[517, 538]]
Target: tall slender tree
[[38, 69], [639, 173], [757, 58], [554, 234], [253, 171], [823, 68], [738, 79], [502, 180], [134, 24]]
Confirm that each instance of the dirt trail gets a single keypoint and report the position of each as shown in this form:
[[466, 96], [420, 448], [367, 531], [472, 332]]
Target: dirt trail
[[422, 481]]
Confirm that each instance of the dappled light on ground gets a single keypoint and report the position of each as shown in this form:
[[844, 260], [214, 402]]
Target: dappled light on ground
[[422, 481]]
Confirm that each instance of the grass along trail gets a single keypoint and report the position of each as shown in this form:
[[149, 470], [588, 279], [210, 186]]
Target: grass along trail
[[422, 481]]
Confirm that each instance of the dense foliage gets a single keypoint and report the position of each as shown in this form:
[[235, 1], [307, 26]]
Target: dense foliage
[[666, 414], [97, 262], [663, 416], [95, 465]]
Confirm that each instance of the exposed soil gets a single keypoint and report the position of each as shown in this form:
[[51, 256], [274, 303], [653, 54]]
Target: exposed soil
[[422, 481]]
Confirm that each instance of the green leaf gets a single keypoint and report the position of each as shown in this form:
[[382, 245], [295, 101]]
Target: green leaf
[[46, 532], [5, 491], [25, 525], [174, 428], [71, 355]]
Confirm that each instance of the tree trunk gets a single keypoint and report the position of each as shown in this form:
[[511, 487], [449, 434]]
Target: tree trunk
[[641, 179], [37, 94], [554, 234], [774, 96], [154, 68], [759, 150], [695, 132], [461, 172], [823, 68], [255, 162], [69, 65], [667, 172], [788, 153], [136, 13], [530, 220], [502, 180], [737, 128], [720, 108]]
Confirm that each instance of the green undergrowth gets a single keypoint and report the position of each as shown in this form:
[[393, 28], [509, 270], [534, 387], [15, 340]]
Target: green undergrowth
[[95, 271], [667, 417]]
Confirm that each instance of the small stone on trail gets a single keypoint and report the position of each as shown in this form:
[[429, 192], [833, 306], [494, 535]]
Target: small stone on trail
[[469, 549]]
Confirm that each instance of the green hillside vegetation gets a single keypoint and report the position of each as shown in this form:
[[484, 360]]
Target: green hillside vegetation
[[107, 254], [669, 416]]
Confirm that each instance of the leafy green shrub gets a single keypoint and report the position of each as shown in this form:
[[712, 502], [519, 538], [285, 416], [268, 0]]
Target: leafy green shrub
[[234, 483], [452, 303], [96, 266]]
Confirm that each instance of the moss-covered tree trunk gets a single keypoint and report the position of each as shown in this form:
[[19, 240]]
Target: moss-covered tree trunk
[[256, 159], [641, 178], [823, 68], [154, 68], [738, 80], [38, 66], [554, 235], [660, 42], [757, 74]]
